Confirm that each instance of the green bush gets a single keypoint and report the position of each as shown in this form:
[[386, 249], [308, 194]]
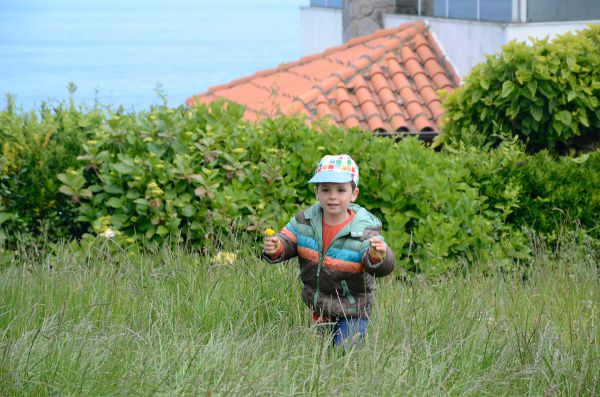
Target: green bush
[[560, 191], [201, 174], [539, 191], [546, 94], [34, 148]]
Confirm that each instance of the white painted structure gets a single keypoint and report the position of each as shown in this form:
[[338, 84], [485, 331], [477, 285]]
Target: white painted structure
[[465, 42], [321, 29]]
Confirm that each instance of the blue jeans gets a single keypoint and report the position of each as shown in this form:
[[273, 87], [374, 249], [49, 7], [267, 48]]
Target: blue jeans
[[349, 332]]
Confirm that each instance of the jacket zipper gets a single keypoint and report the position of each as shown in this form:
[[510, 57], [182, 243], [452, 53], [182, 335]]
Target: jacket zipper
[[346, 292], [319, 266], [316, 296]]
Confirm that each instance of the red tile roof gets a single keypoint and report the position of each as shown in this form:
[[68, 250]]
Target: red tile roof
[[383, 82]]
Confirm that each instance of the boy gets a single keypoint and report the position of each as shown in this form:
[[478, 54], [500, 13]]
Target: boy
[[339, 249]]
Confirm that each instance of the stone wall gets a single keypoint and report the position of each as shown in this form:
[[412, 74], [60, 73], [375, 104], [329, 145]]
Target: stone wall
[[362, 17]]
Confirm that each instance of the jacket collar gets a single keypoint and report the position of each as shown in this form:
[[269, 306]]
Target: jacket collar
[[362, 220]]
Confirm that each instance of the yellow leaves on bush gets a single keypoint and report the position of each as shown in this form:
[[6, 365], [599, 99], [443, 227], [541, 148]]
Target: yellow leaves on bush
[[224, 258], [9, 153]]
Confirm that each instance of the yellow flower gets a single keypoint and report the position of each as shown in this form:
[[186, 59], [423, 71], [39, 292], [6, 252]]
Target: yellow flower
[[225, 258], [269, 232], [239, 150], [108, 233]]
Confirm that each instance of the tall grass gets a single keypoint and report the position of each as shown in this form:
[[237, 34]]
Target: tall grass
[[106, 320]]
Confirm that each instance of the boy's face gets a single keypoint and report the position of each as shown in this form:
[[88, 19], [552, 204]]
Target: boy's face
[[335, 198]]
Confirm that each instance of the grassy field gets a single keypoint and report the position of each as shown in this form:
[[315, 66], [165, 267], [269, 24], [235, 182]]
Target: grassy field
[[100, 320]]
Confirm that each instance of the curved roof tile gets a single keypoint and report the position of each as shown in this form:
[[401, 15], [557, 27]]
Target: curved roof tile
[[386, 81]]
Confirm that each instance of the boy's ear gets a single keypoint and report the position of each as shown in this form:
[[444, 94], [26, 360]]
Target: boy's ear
[[354, 195]]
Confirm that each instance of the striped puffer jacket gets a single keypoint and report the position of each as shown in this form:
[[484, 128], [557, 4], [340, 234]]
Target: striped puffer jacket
[[340, 281]]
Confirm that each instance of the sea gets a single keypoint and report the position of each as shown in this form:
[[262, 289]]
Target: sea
[[138, 53]]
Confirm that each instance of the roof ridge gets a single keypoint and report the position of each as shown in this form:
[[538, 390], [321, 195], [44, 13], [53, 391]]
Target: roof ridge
[[448, 67], [420, 25], [311, 95]]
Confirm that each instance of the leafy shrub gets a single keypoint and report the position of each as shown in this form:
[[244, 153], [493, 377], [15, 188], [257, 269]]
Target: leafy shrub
[[201, 174], [34, 148], [432, 212], [558, 191], [178, 172], [539, 191], [547, 94]]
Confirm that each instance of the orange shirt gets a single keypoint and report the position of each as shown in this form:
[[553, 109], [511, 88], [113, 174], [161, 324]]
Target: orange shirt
[[329, 231]]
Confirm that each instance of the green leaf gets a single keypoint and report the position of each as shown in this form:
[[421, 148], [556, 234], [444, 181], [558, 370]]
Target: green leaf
[[188, 210], [572, 63], [536, 112], [95, 188], [119, 220], [72, 179], [547, 90], [142, 201], [150, 232], [523, 76], [412, 214], [583, 119], [581, 159], [133, 194], [507, 88], [565, 117], [124, 169], [532, 88], [162, 231], [114, 202], [66, 190], [113, 189], [558, 127], [6, 216]]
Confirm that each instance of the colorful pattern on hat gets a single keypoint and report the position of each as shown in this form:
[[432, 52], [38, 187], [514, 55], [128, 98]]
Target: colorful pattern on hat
[[342, 165]]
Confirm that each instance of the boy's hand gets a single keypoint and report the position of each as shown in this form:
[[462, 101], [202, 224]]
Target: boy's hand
[[271, 245], [377, 248]]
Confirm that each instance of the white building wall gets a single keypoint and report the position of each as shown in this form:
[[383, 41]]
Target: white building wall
[[521, 32], [464, 42], [321, 29]]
